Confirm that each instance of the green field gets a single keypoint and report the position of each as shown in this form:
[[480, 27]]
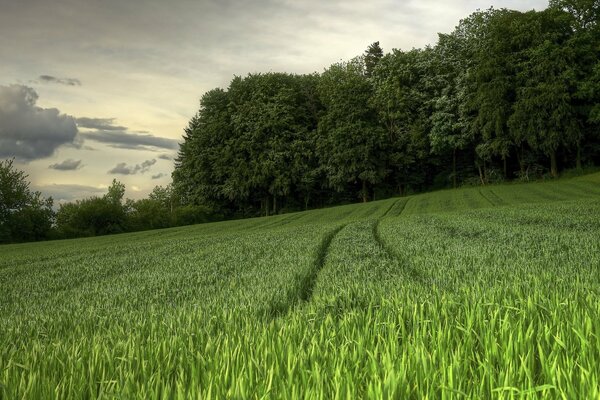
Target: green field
[[489, 292]]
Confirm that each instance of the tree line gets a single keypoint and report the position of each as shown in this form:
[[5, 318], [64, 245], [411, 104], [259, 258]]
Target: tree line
[[507, 95], [25, 215]]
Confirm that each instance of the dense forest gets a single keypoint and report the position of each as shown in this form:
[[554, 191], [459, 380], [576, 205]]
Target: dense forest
[[507, 95]]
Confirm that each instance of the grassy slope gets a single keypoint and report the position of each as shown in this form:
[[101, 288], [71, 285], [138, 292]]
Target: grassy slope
[[485, 292]]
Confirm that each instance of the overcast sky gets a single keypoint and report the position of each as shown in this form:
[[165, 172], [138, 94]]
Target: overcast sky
[[96, 90]]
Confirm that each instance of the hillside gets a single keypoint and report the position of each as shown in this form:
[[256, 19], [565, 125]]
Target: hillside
[[481, 292]]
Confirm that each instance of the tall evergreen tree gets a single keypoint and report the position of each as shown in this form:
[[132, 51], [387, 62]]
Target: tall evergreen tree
[[372, 55]]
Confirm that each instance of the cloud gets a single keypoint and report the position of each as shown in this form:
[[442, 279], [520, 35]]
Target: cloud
[[158, 176], [60, 81], [68, 193], [124, 169], [166, 157], [103, 124], [67, 165], [105, 131], [28, 132], [134, 141]]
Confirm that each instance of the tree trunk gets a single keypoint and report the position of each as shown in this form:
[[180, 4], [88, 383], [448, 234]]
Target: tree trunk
[[274, 204], [505, 167], [553, 167], [485, 172], [454, 168], [306, 199], [521, 159], [578, 161], [481, 175], [364, 191], [267, 206]]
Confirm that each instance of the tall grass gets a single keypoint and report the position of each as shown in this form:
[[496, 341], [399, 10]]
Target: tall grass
[[473, 293]]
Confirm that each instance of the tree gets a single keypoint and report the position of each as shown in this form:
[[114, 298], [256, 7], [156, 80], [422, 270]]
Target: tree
[[250, 147], [165, 196], [494, 76], [24, 215], [544, 112], [373, 54], [583, 17], [350, 139], [586, 13], [115, 194], [148, 214], [203, 169], [453, 110], [400, 99], [94, 216]]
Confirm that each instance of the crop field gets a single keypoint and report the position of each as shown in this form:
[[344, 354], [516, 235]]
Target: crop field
[[490, 292]]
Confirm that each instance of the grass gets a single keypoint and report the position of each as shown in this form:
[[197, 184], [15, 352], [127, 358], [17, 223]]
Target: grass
[[489, 292]]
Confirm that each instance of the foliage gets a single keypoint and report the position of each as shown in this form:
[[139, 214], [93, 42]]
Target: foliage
[[24, 215], [251, 144], [505, 91], [90, 217], [350, 141], [505, 95]]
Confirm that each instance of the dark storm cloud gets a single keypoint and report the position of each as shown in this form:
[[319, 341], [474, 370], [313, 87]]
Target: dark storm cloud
[[28, 132], [158, 176], [134, 141], [124, 169], [61, 81], [103, 124], [67, 165]]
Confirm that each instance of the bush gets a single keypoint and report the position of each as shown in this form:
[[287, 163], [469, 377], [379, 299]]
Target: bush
[[148, 214], [90, 217], [24, 215], [190, 214]]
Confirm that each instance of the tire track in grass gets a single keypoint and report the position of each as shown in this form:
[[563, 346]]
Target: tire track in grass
[[498, 200], [487, 198], [572, 191], [398, 213], [389, 209], [278, 222], [307, 284], [587, 186], [416, 275]]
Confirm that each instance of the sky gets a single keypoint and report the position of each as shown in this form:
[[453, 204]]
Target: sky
[[92, 91]]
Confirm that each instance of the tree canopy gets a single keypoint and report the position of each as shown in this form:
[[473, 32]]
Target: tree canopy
[[506, 95]]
